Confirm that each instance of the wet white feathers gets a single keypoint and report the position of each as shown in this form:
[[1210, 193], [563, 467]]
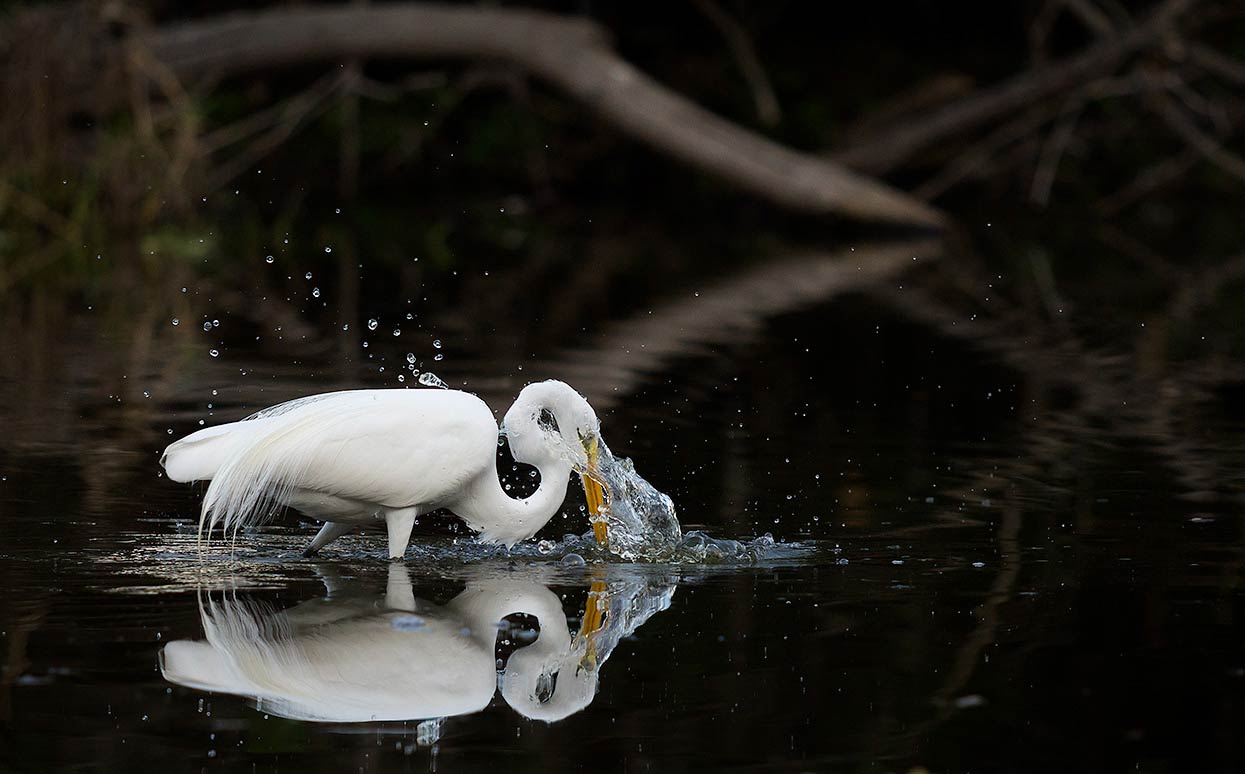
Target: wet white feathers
[[385, 449]]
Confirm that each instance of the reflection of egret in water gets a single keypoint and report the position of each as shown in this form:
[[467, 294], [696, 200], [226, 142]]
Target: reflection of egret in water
[[354, 658]]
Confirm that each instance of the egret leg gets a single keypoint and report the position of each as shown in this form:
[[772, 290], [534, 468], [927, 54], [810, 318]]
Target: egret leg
[[400, 524], [331, 531], [332, 580], [399, 593]]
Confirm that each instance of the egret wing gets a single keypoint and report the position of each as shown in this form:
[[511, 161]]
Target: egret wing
[[393, 448]]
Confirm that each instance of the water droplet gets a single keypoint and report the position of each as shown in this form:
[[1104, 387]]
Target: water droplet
[[207, 326], [214, 352], [176, 321], [439, 356], [216, 323], [436, 343], [429, 379], [307, 275], [545, 546], [315, 292], [373, 324], [346, 327], [397, 331], [269, 259], [328, 249], [410, 358]]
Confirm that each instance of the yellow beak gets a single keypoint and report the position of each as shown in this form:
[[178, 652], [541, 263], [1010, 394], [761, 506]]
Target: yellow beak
[[594, 493]]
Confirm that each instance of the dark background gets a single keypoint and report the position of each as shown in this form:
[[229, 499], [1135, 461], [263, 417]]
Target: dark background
[[1048, 384]]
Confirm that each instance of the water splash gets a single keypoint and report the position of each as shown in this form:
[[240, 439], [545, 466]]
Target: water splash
[[643, 525], [429, 379], [641, 520]]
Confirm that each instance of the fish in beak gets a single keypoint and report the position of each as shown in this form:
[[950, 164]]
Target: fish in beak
[[594, 492]]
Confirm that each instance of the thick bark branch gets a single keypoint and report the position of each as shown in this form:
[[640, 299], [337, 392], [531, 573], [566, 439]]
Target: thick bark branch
[[572, 54]]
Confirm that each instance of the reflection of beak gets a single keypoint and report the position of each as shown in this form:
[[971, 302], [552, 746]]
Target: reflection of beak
[[594, 493], [594, 619]]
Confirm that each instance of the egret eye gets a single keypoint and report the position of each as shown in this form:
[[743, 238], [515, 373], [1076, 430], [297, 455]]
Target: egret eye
[[546, 684], [547, 421]]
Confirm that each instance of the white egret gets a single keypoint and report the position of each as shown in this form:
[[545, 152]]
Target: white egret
[[358, 456]]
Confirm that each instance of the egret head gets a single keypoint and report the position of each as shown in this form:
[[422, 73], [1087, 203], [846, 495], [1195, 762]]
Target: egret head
[[550, 420], [547, 686]]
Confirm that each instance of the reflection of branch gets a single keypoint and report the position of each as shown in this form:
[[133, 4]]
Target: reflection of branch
[[729, 312], [1201, 289], [569, 53], [969, 654]]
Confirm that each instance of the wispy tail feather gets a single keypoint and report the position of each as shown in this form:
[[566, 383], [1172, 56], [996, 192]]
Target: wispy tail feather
[[255, 481]]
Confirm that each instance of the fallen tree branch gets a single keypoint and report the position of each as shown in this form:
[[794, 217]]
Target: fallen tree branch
[[569, 53]]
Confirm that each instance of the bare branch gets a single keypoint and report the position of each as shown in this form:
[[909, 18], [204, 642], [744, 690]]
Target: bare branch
[[1091, 16], [980, 153], [1213, 61], [1210, 148], [745, 54], [569, 53], [888, 150], [1053, 150]]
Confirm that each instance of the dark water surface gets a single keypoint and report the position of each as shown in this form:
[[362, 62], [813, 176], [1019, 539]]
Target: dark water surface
[[979, 569]]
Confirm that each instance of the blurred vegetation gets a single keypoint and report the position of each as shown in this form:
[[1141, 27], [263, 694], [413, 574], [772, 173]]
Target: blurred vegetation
[[427, 174]]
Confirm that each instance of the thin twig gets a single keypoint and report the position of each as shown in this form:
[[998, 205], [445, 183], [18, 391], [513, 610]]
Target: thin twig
[[295, 115], [1149, 180], [1210, 148], [745, 54], [1053, 150], [1216, 62], [888, 150], [1091, 16], [264, 120], [980, 153]]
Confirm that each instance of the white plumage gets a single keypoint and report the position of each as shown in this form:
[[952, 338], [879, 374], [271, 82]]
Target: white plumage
[[354, 457]]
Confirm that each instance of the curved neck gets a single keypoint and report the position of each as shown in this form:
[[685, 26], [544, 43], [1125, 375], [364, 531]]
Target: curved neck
[[500, 518]]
